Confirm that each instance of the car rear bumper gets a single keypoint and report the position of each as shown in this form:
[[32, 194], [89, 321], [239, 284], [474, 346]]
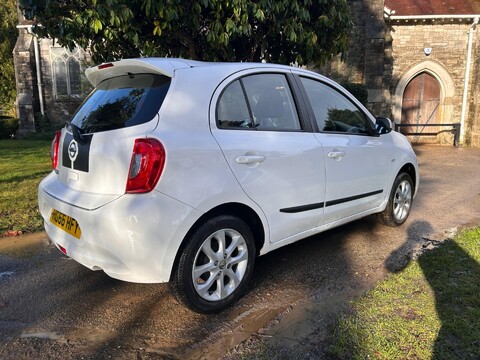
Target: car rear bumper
[[132, 238]]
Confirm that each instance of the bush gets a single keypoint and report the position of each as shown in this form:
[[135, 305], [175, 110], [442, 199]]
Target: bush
[[43, 124], [8, 127], [44, 128]]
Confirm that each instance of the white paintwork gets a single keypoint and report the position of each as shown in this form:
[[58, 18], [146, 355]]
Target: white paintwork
[[290, 171], [107, 174], [362, 169], [137, 237], [165, 67]]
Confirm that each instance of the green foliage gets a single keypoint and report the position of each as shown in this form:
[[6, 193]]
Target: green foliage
[[283, 31], [8, 127], [430, 310], [43, 125], [8, 36]]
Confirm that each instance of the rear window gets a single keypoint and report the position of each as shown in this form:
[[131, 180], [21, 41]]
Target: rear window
[[121, 102]]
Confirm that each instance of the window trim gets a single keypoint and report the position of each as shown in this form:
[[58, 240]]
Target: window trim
[[311, 113], [302, 115]]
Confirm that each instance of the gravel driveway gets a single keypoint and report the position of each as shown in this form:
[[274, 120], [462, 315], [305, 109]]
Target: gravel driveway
[[52, 307]]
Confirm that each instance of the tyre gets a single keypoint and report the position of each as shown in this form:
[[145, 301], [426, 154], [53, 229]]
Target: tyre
[[399, 202], [215, 265]]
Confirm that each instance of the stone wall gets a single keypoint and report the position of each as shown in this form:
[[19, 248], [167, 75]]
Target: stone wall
[[25, 81], [57, 108], [60, 108], [367, 61], [382, 53], [446, 62]]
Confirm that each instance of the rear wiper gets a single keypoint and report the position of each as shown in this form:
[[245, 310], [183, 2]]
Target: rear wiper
[[76, 132]]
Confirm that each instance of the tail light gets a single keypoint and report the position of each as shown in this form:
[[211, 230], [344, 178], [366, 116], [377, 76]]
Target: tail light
[[146, 166], [54, 149]]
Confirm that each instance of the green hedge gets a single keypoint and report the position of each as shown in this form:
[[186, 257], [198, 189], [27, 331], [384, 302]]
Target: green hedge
[[8, 127]]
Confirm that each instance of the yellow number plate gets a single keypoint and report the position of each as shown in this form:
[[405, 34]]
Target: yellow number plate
[[66, 223]]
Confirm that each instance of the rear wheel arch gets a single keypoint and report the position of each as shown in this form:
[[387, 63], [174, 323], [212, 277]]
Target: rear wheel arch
[[241, 211]]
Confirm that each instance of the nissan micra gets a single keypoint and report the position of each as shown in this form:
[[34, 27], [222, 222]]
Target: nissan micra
[[184, 172]]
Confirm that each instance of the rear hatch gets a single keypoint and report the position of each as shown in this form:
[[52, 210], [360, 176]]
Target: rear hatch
[[95, 148]]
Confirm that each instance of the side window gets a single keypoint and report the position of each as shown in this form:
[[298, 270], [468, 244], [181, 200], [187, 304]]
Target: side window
[[232, 109], [260, 102], [333, 111], [271, 102]]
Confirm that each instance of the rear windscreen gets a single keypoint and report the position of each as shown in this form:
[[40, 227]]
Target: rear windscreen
[[122, 102]]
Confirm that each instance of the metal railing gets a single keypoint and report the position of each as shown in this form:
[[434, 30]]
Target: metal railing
[[455, 129]]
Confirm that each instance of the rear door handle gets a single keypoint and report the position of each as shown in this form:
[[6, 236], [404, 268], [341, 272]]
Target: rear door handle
[[250, 159], [336, 154]]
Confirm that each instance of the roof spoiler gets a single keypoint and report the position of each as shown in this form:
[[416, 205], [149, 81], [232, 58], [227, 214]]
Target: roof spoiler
[[162, 66]]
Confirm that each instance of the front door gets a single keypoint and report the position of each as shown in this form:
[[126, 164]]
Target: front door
[[357, 172], [421, 102]]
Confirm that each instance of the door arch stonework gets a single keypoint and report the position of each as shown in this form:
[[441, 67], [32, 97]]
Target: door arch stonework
[[447, 89]]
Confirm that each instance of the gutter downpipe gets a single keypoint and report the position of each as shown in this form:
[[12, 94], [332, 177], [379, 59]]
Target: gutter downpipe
[[37, 65], [467, 79], [390, 15]]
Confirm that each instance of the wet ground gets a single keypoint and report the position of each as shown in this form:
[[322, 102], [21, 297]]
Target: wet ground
[[52, 307]]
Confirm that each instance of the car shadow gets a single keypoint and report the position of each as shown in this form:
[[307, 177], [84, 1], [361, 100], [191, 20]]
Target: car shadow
[[456, 287]]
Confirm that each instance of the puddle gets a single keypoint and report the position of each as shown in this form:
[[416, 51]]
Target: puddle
[[249, 323], [47, 335], [242, 326], [304, 320], [79, 336], [6, 274], [24, 246]]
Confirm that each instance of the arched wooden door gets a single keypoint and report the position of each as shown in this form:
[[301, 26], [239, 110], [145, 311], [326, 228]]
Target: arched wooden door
[[421, 103]]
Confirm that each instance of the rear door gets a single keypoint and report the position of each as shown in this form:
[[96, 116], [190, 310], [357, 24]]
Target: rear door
[[356, 161], [276, 160]]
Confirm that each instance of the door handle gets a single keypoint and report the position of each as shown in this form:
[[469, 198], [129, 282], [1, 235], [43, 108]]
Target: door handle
[[336, 155], [250, 159]]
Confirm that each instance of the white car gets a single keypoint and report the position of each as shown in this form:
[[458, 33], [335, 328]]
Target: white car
[[184, 172]]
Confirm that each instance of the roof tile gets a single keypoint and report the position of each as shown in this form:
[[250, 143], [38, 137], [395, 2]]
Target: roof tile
[[434, 7]]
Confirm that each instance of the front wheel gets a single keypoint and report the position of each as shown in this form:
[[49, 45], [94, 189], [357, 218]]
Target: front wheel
[[215, 265], [399, 202]]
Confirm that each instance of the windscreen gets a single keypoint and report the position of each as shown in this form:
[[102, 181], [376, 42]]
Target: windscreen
[[122, 101]]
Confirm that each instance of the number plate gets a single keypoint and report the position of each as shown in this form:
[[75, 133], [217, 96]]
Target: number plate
[[66, 223]]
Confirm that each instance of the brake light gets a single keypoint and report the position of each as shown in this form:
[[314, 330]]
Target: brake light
[[146, 166], [54, 149], [105, 66]]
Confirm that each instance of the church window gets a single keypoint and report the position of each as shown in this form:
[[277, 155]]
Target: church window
[[66, 74]]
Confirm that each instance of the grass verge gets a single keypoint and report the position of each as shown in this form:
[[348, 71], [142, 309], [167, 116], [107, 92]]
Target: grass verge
[[429, 310], [23, 163]]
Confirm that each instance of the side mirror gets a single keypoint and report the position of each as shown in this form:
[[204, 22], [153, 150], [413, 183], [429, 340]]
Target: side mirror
[[383, 125]]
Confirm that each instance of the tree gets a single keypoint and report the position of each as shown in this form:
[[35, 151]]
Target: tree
[[284, 31], [8, 36]]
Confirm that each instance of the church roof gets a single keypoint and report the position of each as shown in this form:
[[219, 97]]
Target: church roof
[[433, 7]]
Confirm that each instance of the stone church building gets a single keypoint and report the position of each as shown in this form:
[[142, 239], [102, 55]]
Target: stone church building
[[418, 59]]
